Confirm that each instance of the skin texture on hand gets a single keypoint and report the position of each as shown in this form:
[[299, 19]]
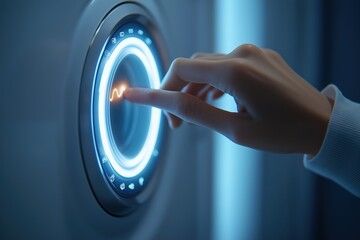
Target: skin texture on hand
[[278, 111]]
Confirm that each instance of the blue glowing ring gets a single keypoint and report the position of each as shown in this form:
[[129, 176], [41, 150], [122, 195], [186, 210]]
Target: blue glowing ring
[[124, 166], [121, 141]]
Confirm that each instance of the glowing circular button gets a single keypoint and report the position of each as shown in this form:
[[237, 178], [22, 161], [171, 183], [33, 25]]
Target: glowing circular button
[[126, 166]]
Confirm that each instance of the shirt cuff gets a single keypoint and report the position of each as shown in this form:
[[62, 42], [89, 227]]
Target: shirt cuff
[[339, 156]]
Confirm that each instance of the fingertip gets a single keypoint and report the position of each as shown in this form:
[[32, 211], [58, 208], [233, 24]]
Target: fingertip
[[129, 93]]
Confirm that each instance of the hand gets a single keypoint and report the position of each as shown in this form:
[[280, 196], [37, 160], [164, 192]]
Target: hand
[[278, 111]]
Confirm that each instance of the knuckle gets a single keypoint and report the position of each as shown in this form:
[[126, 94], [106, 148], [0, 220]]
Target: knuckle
[[246, 50], [197, 55]]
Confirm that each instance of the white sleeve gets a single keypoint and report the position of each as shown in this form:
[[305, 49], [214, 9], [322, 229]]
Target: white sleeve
[[339, 155]]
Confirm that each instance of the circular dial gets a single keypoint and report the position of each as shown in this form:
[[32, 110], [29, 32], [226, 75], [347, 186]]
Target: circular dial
[[126, 134], [120, 140]]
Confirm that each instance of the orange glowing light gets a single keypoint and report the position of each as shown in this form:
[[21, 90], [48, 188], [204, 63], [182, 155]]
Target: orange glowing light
[[117, 92]]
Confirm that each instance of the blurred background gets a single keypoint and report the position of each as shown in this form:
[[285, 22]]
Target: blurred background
[[271, 196], [210, 188]]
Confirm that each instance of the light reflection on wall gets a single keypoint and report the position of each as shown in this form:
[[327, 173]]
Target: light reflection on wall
[[236, 168]]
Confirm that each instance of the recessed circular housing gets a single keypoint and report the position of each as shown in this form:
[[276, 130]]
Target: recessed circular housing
[[120, 139]]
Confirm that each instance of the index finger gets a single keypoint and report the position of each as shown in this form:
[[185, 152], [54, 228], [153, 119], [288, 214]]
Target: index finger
[[185, 106]]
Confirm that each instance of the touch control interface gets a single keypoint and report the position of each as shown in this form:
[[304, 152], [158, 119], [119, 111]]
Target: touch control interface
[[126, 134]]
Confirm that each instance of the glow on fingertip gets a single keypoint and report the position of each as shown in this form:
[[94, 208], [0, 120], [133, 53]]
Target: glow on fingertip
[[118, 92]]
